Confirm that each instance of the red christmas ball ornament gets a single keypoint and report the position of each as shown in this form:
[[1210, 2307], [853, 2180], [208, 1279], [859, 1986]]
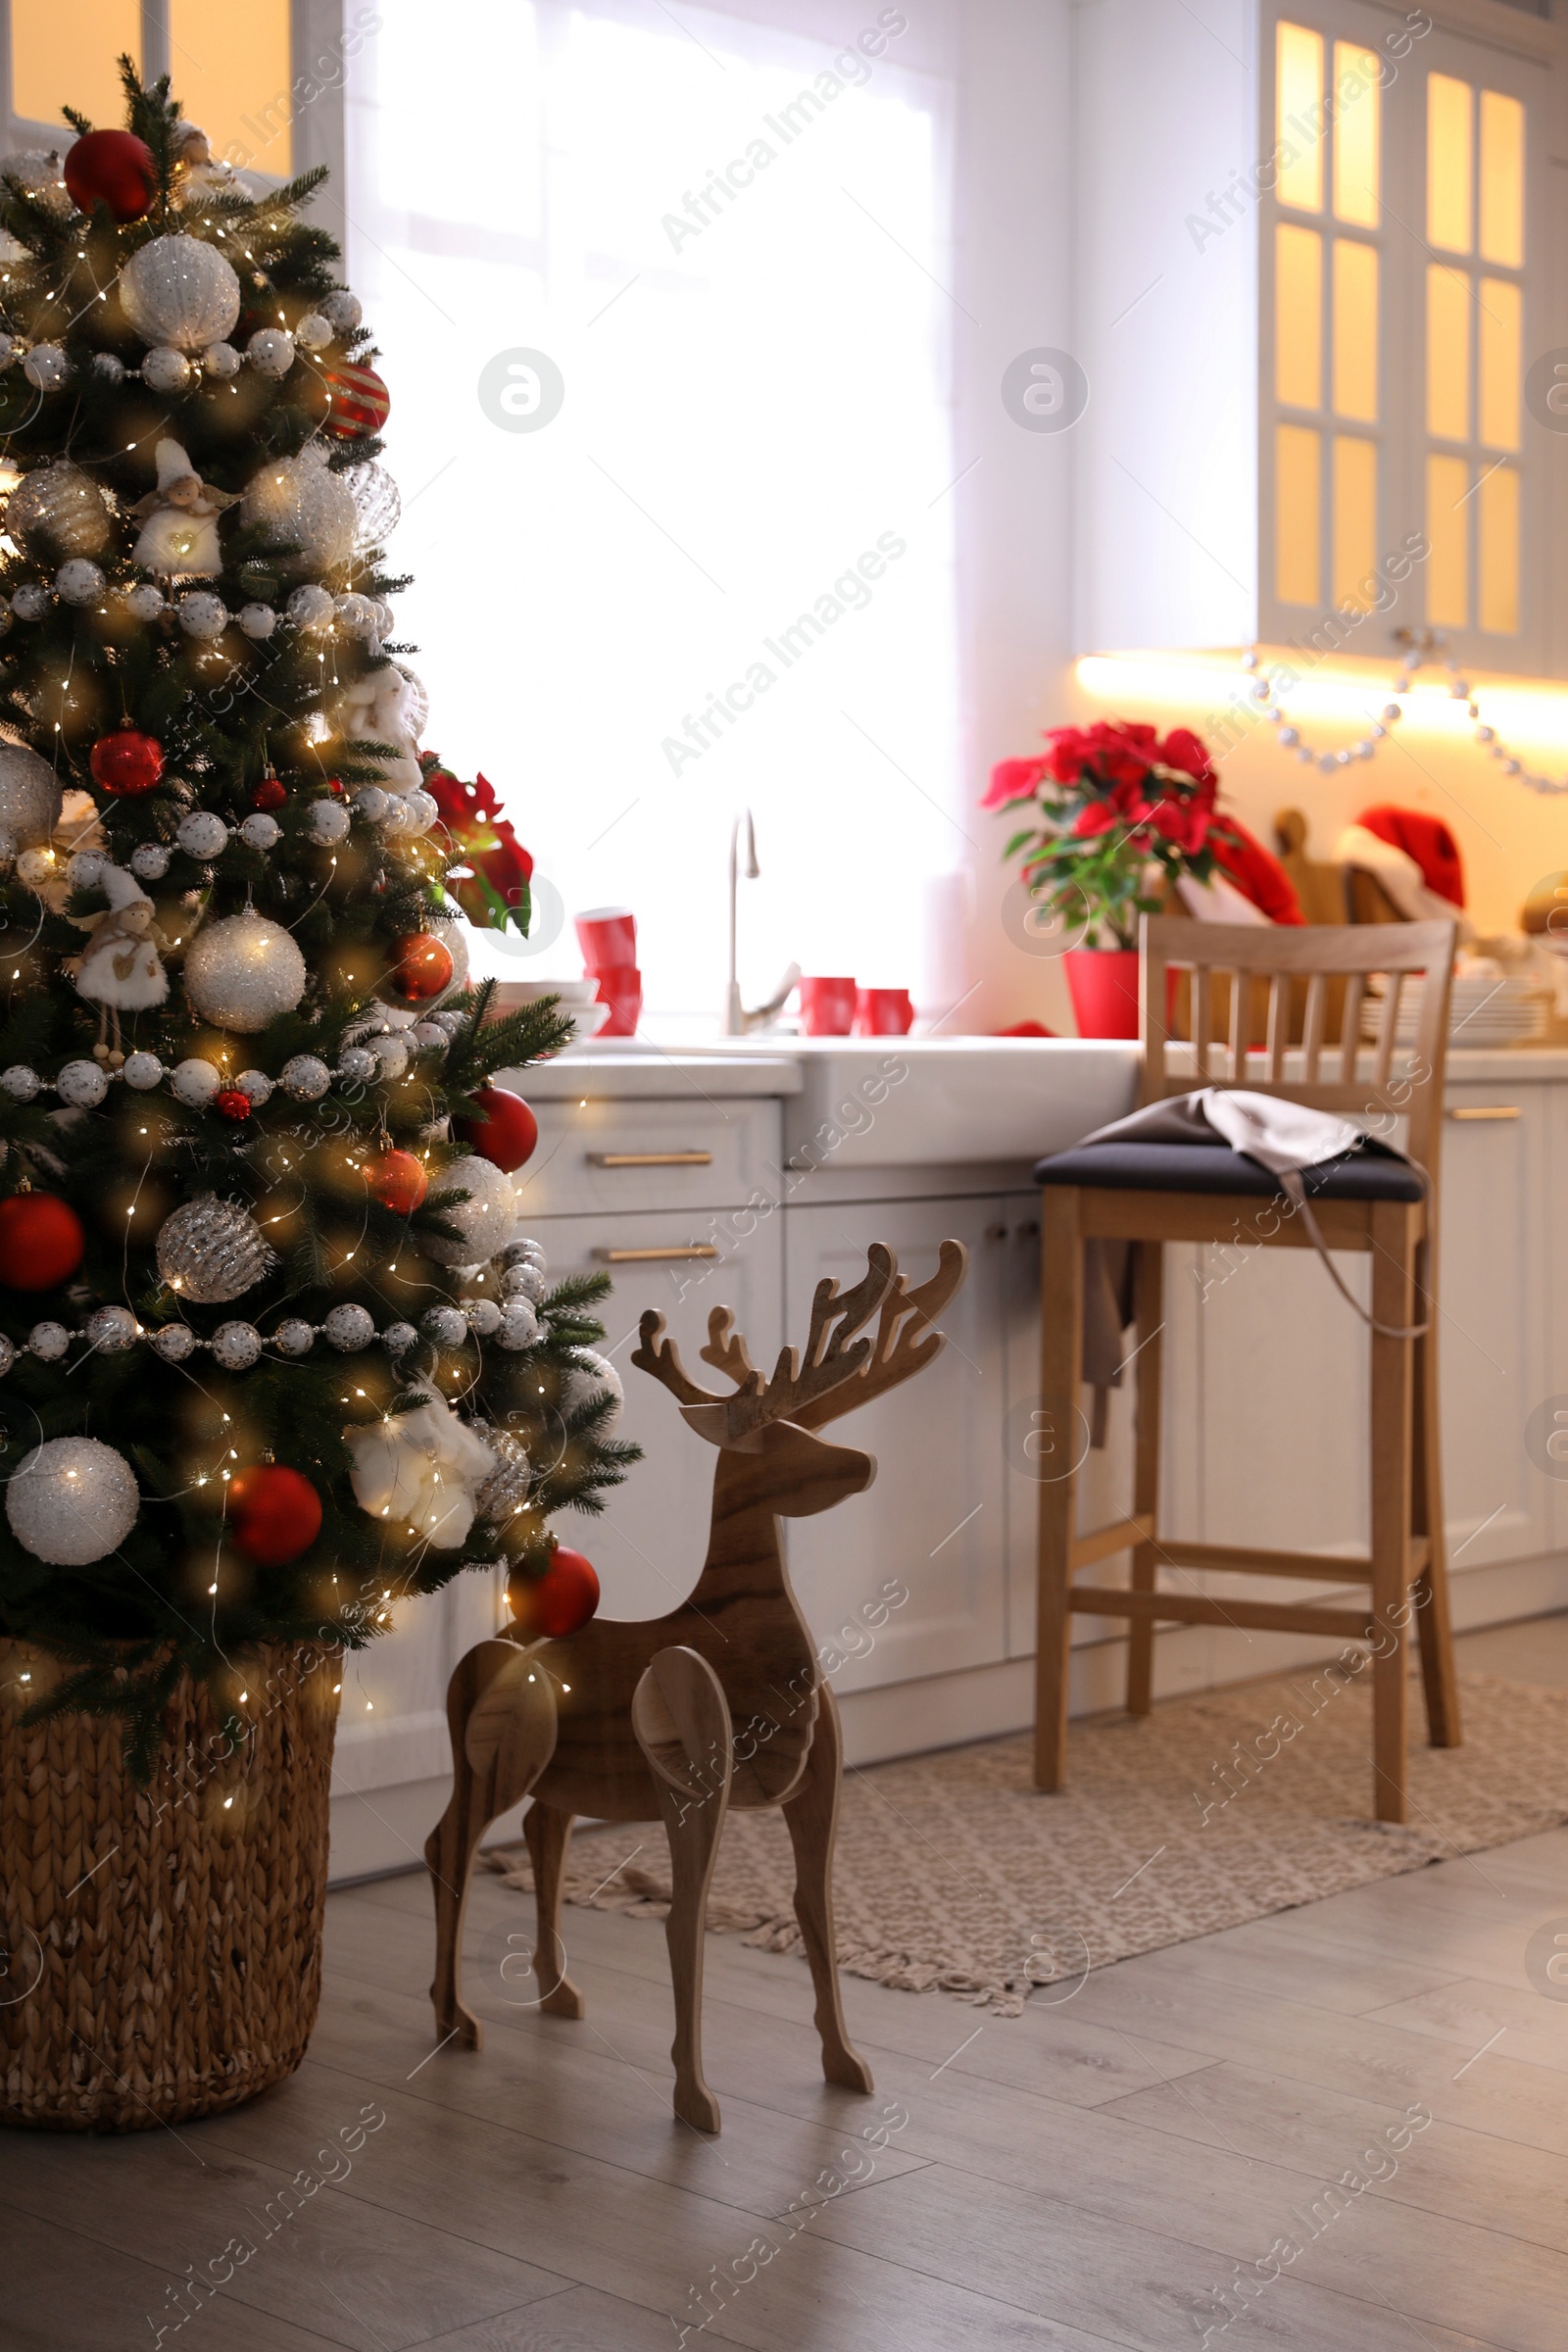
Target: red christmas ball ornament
[[270, 793], [41, 1241], [398, 1181], [422, 966], [113, 168], [275, 1513], [230, 1103], [506, 1133], [361, 401], [126, 762], [557, 1602]]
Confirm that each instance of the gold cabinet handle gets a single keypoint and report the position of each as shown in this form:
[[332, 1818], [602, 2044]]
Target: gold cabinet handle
[[1489, 1111], [650, 1159], [643, 1257]]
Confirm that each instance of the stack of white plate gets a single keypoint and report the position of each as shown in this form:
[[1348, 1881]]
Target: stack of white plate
[[578, 1002], [1488, 1006]]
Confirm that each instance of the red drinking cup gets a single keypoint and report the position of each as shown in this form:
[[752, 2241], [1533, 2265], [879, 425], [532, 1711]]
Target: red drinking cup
[[828, 1008], [621, 987], [607, 938], [883, 1013]]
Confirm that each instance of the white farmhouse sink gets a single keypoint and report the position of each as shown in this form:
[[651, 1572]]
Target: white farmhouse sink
[[906, 1102]]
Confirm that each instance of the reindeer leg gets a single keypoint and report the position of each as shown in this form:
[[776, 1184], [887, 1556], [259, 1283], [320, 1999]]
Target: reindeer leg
[[501, 1717], [811, 1814], [548, 1831], [682, 1723]]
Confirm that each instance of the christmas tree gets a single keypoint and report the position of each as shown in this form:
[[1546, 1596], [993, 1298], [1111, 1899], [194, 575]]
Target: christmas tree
[[273, 1355]]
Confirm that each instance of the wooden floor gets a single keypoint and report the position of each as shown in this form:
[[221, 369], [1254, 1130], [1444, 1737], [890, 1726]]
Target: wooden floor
[[1097, 2173]]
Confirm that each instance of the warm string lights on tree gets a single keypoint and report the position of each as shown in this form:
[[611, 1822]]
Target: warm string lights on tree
[[274, 1353]]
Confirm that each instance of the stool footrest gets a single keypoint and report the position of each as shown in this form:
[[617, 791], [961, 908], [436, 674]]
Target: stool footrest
[[1117, 1535], [1194, 1609]]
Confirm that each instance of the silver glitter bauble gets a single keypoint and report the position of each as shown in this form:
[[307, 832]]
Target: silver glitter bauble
[[270, 352], [261, 831], [395, 823], [145, 601], [445, 1325], [203, 615], [310, 607], [255, 1085], [305, 1077], [483, 1221], [590, 1377], [86, 869], [179, 290], [399, 1338], [342, 312], [48, 1342], [349, 1328], [150, 862], [506, 1490], [378, 504], [20, 1083], [356, 613], [242, 972], [304, 507], [391, 1057], [371, 804], [326, 821], [111, 1330], [173, 1343], [7, 1354], [427, 1033], [29, 793], [420, 808], [483, 1317], [221, 361], [166, 370], [526, 1281], [258, 621], [236, 1345], [519, 1325], [82, 1085], [72, 1501], [59, 511], [357, 1065], [314, 331], [294, 1336], [525, 1253], [142, 1071], [202, 834], [211, 1251], [195, 1083], [79, 581], [29, 602], [46, 367]]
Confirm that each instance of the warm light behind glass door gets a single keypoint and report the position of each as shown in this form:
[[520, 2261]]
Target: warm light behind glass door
[[1355, 329], [1448, 353], [1498, 567], [1297, 513], [230, 67], [1450, 167], [1502, 180], [1299, 91], [65, 56], [1357, 129], [1499, 315], [1356, 507], [1298, 316], [1447, 566]]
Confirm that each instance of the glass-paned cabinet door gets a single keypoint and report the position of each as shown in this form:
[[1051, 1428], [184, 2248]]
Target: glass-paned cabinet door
[[1403, 262]]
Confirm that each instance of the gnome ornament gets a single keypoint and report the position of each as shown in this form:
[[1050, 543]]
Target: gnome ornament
[[179, 519], [374, 708], [121, 969]]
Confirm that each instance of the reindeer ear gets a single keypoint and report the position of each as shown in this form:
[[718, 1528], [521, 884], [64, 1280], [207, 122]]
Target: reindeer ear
[[711, 1421]]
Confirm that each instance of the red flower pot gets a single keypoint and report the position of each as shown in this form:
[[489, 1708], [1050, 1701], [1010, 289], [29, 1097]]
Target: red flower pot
[[1105, 987]]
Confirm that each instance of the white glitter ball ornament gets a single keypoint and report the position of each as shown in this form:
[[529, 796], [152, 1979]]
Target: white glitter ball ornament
[[591, 1375], [304, 507], [519, 1325], [166, 370], [314, 331], [356, 613], [150, 862], [145, 601], [270, 352], [79, 581], [46, 367], [255, 1085], [357, 1064], [326, 821], [295, 1337], [342, 312], [7, 1354], [202, 615], [173, 1343], [371, 804], [86, 869], [421, 809], [524, 1252], [195, 1083], [391, 1056], [29, 793], [483, 1220], [349, 1328], [29, 602], [202, 834], [181, 291], [48, 1342], [399, 1338], [482, 1316], [261, 831], [82, 1085], [524, 1281], [58, 509], [108, 368], [236, 1345], [210, 1251], [20, 1082], [310, 607], [111, 1330], [242, 972], [72, 1501], [258, 621], [445, 1325], [305, 1077], [142, 1071]]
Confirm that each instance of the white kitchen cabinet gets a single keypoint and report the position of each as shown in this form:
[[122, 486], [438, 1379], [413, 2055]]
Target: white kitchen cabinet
[[935, 1518]]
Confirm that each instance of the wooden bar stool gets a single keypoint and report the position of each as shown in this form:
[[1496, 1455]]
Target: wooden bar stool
[[1149, 1194]]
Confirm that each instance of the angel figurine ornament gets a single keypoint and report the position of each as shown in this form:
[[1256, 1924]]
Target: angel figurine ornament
[[121, 969], [179, 519]]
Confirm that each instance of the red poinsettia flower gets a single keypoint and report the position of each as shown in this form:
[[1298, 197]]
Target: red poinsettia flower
[[1184, 823], [473, 815], [1013, 780], [1184, 750]]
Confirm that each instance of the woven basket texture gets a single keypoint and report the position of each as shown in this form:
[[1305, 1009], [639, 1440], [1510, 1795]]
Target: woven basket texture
[[161, 1947]]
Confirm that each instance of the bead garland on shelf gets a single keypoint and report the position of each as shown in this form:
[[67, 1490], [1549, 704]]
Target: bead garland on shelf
[[1421, 646]]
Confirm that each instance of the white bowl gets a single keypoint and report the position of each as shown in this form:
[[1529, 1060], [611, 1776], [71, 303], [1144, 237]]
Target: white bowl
[[530, 992], [586, 1021]]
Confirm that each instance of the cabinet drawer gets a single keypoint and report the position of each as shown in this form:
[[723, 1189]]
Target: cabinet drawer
[[597, 1156]]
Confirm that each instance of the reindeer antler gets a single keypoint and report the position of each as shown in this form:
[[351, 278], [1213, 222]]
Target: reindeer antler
[[657, 1355], [906, 1341]]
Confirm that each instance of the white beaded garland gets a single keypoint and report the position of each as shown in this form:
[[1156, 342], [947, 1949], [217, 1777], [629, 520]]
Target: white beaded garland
[[149, 863], [519, 1325], [427, 1033], [7, 1354], [48, 1342], [221, 362], [295, 1337], [142, 1071], [399, 1338], [29, 602], [392, 1058], [145, 601], [261, 831], [112, 1329], [195, 1082], [86, 869], [356, 613], [270, 352], [483, 1317], [79, 581], [357, 1064], [349, 1328], [258, 621], [109, 366], [236, 1345], [173, 1343], [46, 367], [314, 331], [202, 834], [82, 1085], [445, 1325], [310, 607], [342, 312], [371, 804], [305, 1077], [166, 370], [20, 1083], [203, 615], [255, 1085], [72, 1501], [422, 809], [242, 972], [524, 1281], [326, 821]]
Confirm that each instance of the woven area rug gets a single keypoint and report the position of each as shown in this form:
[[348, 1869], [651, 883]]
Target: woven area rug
[[955, 1875]]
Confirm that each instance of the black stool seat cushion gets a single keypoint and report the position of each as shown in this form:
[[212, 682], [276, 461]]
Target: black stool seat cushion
[[1216, 1169]]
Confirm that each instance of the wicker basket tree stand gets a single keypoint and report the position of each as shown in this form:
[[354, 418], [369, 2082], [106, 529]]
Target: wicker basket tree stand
[[161, 1947]]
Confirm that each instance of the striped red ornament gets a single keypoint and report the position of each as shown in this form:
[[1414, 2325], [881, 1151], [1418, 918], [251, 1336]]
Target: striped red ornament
[[360, 402]]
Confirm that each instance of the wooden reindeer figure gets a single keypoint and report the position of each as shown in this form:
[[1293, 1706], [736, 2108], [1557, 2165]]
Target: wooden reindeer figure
[[721, 1702]]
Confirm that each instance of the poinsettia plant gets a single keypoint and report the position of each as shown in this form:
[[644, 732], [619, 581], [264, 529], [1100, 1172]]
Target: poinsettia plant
[[1120, 814], [490, 883]]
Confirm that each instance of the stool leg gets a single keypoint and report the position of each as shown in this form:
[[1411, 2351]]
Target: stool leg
[[1392, 1447], [1149, 1281], [1431, 1585], [1054, 1449]]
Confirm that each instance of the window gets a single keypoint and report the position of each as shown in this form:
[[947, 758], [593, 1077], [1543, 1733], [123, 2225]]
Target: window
[[722, 573], [230, 66]]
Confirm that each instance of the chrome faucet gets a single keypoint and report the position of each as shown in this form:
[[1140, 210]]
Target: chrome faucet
[[739, 1018]]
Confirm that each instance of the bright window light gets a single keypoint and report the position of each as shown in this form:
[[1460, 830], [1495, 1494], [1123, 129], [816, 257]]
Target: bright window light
[[722, 573]]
